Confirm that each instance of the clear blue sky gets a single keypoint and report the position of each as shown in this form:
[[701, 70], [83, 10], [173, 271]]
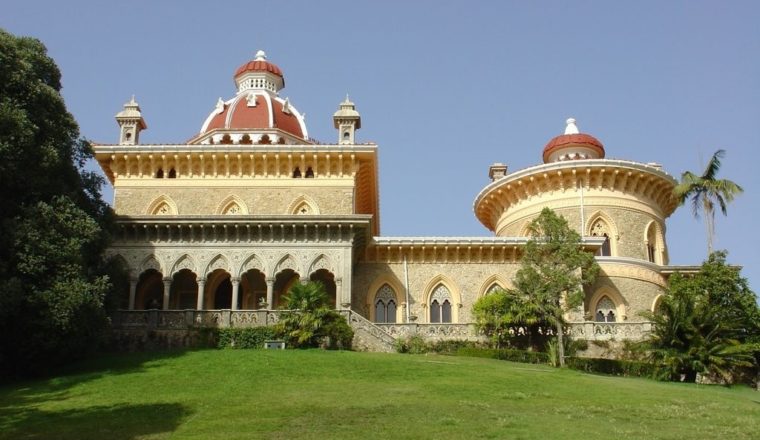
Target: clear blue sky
[[444, 88]]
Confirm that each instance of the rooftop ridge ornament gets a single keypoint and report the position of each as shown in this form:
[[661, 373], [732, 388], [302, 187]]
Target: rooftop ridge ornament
[[260, 55], [571, 128]]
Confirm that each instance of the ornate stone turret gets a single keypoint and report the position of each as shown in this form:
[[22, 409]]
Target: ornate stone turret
[[347, 121], [131, 123]]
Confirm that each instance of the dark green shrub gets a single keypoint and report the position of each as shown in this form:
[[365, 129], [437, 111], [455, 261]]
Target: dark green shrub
[[413, 345], [529, 357], [253, 337], [613, 367], [337, 334]]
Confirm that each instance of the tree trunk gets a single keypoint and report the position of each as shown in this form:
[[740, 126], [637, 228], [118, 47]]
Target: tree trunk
[[560, 344]]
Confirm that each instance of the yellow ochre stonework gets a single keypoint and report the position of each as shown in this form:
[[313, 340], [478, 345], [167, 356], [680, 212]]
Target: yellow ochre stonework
[[227, 222]]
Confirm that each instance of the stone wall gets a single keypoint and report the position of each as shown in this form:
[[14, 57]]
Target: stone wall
[[258, 200], [466, 282]]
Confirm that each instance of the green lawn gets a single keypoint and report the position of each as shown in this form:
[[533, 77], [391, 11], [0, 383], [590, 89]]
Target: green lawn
[[230, 394]]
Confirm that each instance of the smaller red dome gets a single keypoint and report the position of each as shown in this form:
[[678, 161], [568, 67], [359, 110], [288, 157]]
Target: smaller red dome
[[258, 65], [573, 140]]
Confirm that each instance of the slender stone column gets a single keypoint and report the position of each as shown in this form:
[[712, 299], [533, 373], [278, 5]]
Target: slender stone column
[[132, 292], [167, 289], [270, 293], [201, 291], [235, 292]]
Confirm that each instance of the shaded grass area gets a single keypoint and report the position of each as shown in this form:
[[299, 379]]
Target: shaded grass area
[[317, 394]]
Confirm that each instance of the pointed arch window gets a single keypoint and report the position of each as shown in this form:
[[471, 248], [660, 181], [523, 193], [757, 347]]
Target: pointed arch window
[[600, 228], [605, 310], [495, 287], [385, 305], [651, 243], [440, 305]]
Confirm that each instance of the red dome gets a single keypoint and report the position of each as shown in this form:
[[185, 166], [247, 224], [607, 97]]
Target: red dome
[[238, 115], [258, 66], [573, 140]]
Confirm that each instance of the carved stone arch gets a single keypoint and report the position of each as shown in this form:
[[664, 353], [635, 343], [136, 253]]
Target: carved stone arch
[[525, 229], [656, 230], [232, 205], [162, 205], [120, 260], [614, 296], [453, 290], [253, 262], [322, 261], [490, 282], [218, 262], [288, 262], [184, 262], [397, 287], [303, 205], [151, 262], [656, 302], [600, 223]]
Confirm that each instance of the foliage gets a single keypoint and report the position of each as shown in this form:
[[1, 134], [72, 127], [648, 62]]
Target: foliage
[[553, 270], [248, 338], [529, 357], [613, 367], [310, 322], [51, 287], [708, 323], [502, 313], [705, 191], [413, 345]]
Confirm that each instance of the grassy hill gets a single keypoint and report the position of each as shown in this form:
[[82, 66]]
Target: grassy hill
[[245, 394]]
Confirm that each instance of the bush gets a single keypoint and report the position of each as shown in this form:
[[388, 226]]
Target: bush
[[529, 357], [244, 337], [613, 367], [338, 334], [413, 345]]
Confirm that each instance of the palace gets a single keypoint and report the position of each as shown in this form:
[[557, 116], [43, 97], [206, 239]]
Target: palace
[[215, 230]]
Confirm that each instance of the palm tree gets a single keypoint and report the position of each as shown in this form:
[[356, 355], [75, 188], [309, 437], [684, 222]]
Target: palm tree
[[705, 191]]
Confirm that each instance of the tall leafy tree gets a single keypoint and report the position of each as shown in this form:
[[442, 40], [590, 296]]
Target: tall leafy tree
[[52, 236], [553, 270], [503, 313], [705, 191], [709, 323]]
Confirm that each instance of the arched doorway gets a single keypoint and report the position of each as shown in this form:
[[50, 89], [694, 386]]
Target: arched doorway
[[150, 290], [254, 289], [328, 279], [184, 291], [282, 283], [219, 290]]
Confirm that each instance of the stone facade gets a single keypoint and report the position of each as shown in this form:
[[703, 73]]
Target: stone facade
[[214, 231]]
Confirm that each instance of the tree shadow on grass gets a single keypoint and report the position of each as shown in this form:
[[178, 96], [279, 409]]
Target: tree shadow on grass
[[118, 422]]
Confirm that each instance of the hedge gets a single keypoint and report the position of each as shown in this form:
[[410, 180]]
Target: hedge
[[612, 367], [530, 357], [253, 337]]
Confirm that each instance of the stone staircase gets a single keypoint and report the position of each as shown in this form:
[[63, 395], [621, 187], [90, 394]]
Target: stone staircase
[[367, 335]]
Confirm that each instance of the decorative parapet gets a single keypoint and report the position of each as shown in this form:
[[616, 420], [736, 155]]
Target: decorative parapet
[[610, 331]]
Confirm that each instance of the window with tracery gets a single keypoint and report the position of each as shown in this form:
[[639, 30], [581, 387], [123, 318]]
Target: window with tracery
[[440, 305], [494, 288], [605, 310], [651, 237], [233, 209], [385, 305], [600, 228]]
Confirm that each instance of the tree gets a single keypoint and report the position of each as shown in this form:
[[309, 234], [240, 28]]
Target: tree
[[53, 221], [709, 323], [553, 270], [705, 191], [309, 319], [502, 311]]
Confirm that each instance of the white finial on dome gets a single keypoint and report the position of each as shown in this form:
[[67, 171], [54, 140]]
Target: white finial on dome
[[260, 55], [571, 128], [219, 106]]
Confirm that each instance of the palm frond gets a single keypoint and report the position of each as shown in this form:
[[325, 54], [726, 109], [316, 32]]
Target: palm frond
[[713, 166]]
